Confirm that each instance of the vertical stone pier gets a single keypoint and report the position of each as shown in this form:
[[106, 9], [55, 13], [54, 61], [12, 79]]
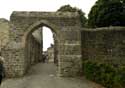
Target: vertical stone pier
[[70, 51]]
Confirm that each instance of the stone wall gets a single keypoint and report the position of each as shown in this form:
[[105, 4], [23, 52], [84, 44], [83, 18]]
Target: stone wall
[[101, 44], [70, 51], [4, 32], [63, 25], [104, 44], [11, 51], [33, 51], [50, 54]]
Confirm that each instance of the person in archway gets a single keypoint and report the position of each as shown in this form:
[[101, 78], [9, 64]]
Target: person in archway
[[2, 71]]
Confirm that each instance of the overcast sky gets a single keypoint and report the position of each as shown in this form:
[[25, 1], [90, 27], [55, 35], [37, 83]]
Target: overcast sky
[[7, 6]]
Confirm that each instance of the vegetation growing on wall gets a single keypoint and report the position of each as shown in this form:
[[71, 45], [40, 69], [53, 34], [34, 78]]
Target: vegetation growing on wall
[[107, 13], [68, 8], [110, 76]]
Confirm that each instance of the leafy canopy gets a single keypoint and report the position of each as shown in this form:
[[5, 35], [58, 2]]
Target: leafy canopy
[[107, 13]]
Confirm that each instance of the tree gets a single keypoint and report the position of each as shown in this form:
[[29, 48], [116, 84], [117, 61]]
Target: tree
[[107, 13], [68, 8]]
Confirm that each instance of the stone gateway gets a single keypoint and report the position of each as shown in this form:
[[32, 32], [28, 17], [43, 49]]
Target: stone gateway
[[73, 44], [23, 50]]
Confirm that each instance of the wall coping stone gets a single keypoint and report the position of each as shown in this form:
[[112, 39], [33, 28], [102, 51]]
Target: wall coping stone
[[111, 28], [45, 14]]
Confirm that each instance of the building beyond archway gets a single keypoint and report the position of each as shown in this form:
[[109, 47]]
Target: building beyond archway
[[66, 27]]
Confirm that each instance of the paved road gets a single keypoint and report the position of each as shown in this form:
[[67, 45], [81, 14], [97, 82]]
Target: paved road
[[44, 76]]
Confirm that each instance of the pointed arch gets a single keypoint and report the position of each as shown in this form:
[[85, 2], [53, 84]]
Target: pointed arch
[[38, 24]]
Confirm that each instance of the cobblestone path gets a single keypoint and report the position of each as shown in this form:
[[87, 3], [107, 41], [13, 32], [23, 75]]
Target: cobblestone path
[[44, 76]]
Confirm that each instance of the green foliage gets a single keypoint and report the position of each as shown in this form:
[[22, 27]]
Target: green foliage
[[68, 8], [107, 13], [108, 75]]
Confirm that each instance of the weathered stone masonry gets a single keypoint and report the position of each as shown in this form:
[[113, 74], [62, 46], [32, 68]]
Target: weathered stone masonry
[[62, 24], [73, 43], [106, 45]]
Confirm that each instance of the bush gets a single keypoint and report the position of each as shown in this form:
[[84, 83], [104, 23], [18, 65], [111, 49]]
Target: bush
[[68, 8], [105, 74]]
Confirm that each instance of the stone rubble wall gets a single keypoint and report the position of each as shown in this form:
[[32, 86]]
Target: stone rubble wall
[[104, 45], [33, 51]]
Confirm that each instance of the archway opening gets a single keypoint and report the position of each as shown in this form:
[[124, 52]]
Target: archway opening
[[48, 44], [41, 46], [48, 39]]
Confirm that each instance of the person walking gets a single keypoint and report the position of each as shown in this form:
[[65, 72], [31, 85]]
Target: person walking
[[2, 71]]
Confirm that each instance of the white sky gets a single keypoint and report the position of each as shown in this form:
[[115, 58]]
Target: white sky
[[7, 6], [47, 38]]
